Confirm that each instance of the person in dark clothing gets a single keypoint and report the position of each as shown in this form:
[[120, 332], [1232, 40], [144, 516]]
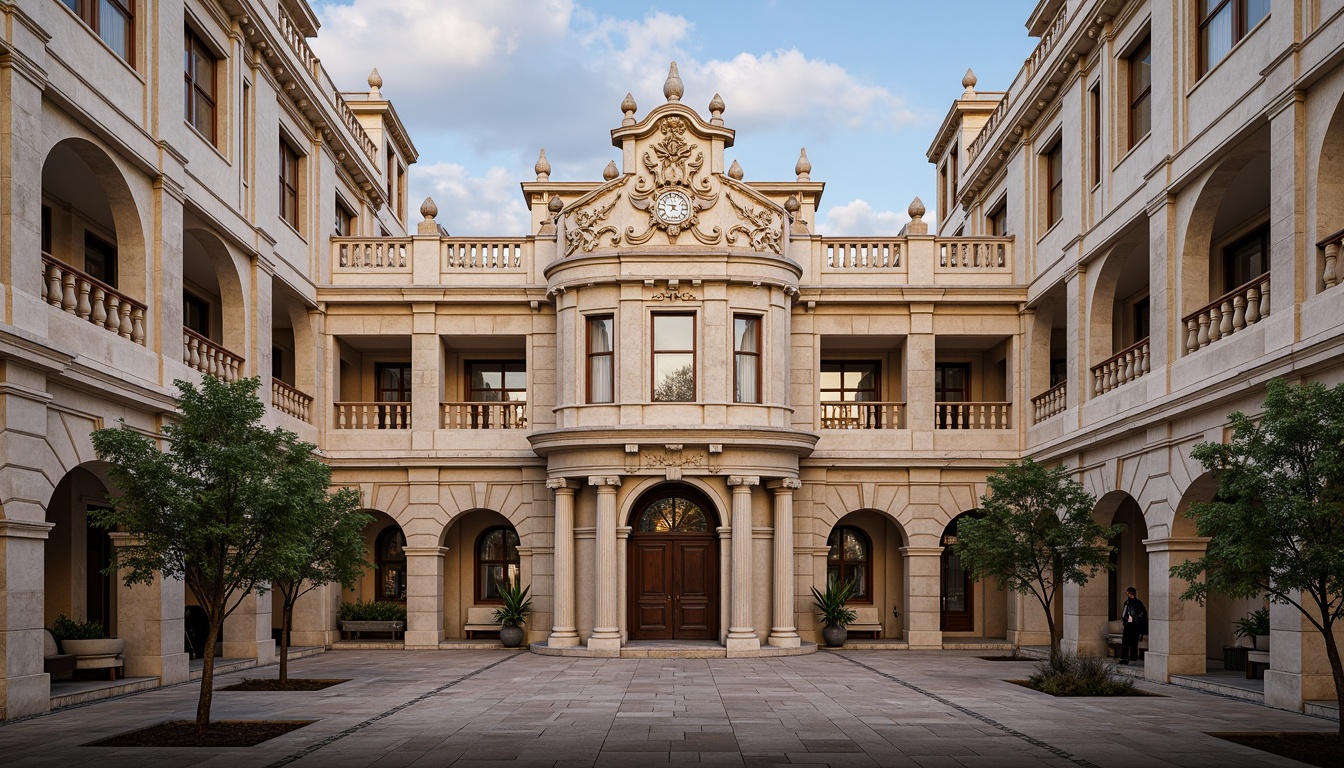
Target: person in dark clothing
[[1134, 617]]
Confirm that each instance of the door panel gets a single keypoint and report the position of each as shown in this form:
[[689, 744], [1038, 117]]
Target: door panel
[[651, 592], [696, 588], [673, 586], [957, 591]]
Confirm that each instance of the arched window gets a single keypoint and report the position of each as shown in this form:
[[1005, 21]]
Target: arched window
[[849, 559], [674, 514], [496, 561], [391, 561]]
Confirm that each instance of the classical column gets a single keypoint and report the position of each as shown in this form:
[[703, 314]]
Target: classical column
[[151, 617], [247, 631], [783, 632], [563, 633], [1175, 626], [424, 596], [923, 594], [606, 634], [25, 688], [622, 578], [741, 635]]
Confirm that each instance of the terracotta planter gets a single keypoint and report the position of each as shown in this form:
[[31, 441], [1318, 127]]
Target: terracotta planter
[[511, 637], [834, 635], [105, 646]]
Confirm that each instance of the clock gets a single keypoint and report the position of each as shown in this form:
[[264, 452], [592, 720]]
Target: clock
[[673, 207]]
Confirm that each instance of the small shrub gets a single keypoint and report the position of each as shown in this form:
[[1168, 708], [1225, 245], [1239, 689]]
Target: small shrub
[[1254, 623], [66, 628], [373, 611], [1069, 674]]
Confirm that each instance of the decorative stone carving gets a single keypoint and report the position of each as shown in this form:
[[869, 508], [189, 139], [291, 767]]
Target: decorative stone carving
[[674, 164], [760, 230], [375, 84], [673, 296], [628, 108], [797, 226], [916, 225], [672, 87], [586, 229], [543, 167], [429, 209], [610, 172], [804, 166], [735, 171], [968, 82], [716, 107]]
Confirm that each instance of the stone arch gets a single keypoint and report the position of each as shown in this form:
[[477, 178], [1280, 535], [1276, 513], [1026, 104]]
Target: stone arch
[[1047, 330], [209, 266], [1203, 488], [1123, 274], [463, 586], [1089, 608], [633, 502], [886, 593], [75, 551], [1327, 183], [369, 587]]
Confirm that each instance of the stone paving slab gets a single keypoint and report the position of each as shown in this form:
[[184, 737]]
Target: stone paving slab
[[425, 709]]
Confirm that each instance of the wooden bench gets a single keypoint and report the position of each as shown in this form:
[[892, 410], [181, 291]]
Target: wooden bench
[[866, 619], [1254, 660], [480, 619]]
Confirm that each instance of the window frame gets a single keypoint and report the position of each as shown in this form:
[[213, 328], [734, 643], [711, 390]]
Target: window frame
[[380, 563], [1094, 100], [755, 320], [592, 357], [469, 367], [1227, 255], [482, 589], [876, 389], [90, 12], [344, 215], [1054, 209], [107, 250], [195, 44], [1144, 99], [1241, 27], [867, 597], [654, 352], [939, 389], [289, 187]]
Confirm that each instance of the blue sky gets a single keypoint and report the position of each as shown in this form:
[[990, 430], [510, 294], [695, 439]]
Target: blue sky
[[482, 85]]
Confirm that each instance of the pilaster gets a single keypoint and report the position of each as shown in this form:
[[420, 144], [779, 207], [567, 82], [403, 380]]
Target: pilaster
[[151, 618], [1175, 626], [923, 612], [424, 596], [247, 631], [24, 688]]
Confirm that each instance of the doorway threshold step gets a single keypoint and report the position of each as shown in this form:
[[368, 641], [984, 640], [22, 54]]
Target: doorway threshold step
[[675, 649]]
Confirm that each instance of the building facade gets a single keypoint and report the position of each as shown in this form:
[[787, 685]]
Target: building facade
[[671, 407]]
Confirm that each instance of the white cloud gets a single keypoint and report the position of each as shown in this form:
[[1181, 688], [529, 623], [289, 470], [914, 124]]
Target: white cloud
[[473, 205], [857, 217]]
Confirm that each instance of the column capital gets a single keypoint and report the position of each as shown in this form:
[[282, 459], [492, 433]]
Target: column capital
[[605, 481], [425, 551], [743, 481], [27, 529], [558, 484], [784, 484], [921, 551], [1177, 544]]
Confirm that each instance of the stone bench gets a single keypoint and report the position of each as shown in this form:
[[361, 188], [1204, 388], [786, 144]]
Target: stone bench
[[59, 665], [480, 619], [1115, 639], [866, 619], [1254, 660]]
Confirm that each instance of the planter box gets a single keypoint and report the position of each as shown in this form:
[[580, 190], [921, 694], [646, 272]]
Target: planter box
[[101, 654], [356, 627]]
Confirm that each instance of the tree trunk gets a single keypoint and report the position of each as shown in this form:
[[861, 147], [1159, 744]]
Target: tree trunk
[[286, 619], [1336, 667], [208, 675]]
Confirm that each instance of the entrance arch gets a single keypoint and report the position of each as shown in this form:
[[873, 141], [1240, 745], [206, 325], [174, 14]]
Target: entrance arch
[[674, 566]]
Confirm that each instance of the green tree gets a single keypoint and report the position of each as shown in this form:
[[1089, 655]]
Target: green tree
[[204, 508], [1035, 534], [1277, 525], [322, 542]]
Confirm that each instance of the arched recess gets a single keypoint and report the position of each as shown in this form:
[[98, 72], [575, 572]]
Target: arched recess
[[385, 578], [1329, 191], [674, 588], [1119, 306], [968, 608], [866, 545], [293, 343], [90, 220], [481, 545], [214, 303], [1049, 345], [76, 552], [1099, 600]]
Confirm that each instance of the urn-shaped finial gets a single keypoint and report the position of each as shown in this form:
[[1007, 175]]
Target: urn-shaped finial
[[429, 210], [716, 107], [673, 88], [735, 171], [804, 166], [375, 84], [628, 107], [543, 167], [611, 171], [968, 82], [792, 205], [555, 205], [916, 225], [916, 209]]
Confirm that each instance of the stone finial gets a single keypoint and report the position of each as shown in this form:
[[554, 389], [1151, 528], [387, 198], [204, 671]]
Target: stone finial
[[916, 225], [611, 171], [555, 205], [968, 82], [673, 88], [543, 167], [792, 205], [375, 84], [429, 209], [628, 107], [804, 166], [735, 171], [796, 224], [716, 107]]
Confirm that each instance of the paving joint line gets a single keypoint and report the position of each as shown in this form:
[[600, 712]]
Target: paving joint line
[[335, 737], [1032, 740]]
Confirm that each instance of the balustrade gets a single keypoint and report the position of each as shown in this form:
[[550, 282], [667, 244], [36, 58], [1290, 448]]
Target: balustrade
[[1234, 311], [973, 415], [966, 253], [287, 399], [90, 299], [1053, 401], [1121, 368], [313, 65], [862, 415], [503, 415], [373, 416], [1330, 269], [372, 253], [884, 253], [1048, 40], [204, 355], [494, 254], [987, 130]]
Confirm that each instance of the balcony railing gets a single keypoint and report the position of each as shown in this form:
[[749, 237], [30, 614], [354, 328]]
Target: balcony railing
[[90, 299], [460, 253], [287, 399], [1121, 368], [973, 415], [313, 66], [963, 253], [506, 415], [1330, 270], [208, 357], [870, 253], [1048, 40], [864, 415], [1050, 402], [1234, 311], [373, 253], [373, 416]]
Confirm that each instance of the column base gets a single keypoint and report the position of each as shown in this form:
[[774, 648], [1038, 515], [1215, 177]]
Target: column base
[[309, 637], [609, 645], [1161, 666], [563, 638], [923, 639], [422, 639], [784, 638], [261, 650], [27, 695], [742, 642], [170, 669]]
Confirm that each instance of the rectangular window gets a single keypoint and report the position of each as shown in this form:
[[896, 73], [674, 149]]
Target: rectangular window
[[942, 193], [1054, 183], [289, 184], [998, 220], [952, 175], [496, 381], [1140, 91], [601, 360], [201, 80], [100, 259], [850, 381], [393, 385], [345, 220], [113, 20], [746, 359], [951, 384], [1222, 23], [1094, 96], [196, 314], [1246, 259], [673, 358]]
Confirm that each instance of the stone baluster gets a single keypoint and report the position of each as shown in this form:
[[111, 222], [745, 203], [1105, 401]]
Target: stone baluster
[[1330, 275], [1250, 313]]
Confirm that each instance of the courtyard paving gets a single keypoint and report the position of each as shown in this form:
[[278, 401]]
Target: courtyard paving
[[496, 708]]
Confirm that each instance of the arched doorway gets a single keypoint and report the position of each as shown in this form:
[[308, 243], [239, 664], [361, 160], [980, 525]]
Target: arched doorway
[[674, 566], [78, 552], [391, 565], [956, 594]]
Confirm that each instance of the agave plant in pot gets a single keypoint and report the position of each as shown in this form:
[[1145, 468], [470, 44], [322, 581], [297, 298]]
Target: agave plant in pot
[[835, 617], [513, 613]]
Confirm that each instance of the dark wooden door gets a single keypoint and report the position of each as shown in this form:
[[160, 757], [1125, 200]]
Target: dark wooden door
[[957, 591], [673, 586]]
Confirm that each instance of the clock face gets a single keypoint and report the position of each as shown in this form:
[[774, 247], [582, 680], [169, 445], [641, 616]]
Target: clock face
[[673, 207]]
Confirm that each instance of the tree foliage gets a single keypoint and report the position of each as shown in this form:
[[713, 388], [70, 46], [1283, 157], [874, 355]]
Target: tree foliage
[[1276, 527], [1035, 534], [209, 506]]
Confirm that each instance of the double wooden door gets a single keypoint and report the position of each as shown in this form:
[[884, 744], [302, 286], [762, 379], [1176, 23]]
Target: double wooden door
[[674, 586]]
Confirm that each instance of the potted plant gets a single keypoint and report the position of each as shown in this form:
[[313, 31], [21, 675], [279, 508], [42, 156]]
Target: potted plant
[[85, 638], [835, 617], [511, 615], [384, 616], [1254, 627]]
